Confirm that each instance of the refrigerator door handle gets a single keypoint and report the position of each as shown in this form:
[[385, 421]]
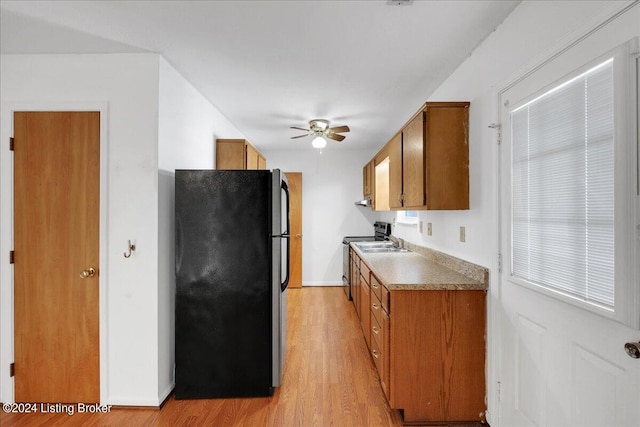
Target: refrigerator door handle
[[287, 236]]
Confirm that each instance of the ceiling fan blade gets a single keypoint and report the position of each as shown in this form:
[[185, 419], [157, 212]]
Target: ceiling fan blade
[[295, 127], [339, 129], [299, 136], [335, 136]]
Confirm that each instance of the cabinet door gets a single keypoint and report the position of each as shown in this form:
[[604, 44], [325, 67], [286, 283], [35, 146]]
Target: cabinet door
[[230, 154], [365, 311], [355, 283], [395, 171], [385, 375], [365, 180], [252, 158], [262, 163], [447, 156], [413, 163]]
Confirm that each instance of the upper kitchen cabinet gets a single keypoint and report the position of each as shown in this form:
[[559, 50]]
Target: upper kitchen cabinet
[[238, 154], [429, 160], [368, 179], [394, 159]]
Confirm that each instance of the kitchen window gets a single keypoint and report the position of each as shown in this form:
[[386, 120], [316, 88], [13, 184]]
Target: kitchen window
[[572, 214], [407, 217]]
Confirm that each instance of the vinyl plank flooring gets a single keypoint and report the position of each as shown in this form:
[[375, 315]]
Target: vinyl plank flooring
[[329, 380]]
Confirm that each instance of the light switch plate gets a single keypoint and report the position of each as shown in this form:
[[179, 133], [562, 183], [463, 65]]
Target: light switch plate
[[462, 234], [420, 227], [429, 230]]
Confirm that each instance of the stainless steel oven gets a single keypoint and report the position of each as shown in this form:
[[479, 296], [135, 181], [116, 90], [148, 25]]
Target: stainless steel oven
[[382, 231]]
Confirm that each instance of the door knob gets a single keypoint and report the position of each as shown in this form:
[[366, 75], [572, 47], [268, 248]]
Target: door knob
[[89, 272], [633, 349], [298, 235]]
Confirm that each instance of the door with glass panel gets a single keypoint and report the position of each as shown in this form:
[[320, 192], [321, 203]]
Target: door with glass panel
[[569, 209]]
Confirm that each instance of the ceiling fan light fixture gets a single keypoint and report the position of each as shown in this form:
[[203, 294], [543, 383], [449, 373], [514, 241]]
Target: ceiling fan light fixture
[[319, 142], [319, 124]]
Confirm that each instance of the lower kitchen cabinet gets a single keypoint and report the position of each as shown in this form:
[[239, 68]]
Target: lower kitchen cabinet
[[365, 302], [428, 347]]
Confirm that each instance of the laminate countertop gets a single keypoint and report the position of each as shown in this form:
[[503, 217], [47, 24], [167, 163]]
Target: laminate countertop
[[414, 271]]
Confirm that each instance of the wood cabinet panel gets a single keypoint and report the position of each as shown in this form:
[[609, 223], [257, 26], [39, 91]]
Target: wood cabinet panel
[[367, 180], [376, 310], [447, 156], [238, 154], [230, 154], [376, 287], [252, 157], [355, 280], [365, 314], [384, 298], [395, 171], [442, 377], [413, 163], [385, 373], [262, 162], [429, 160]]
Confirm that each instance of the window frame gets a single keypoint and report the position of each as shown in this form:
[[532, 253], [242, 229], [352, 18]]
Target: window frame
[[626, 70]]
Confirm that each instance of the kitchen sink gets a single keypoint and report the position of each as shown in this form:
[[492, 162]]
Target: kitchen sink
[[380, 248], [383, 250]]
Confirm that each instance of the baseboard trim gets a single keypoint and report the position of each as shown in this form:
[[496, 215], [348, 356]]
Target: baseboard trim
[[321, 284]]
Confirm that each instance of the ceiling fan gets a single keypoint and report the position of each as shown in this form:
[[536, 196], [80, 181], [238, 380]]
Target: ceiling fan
[[321, 130]]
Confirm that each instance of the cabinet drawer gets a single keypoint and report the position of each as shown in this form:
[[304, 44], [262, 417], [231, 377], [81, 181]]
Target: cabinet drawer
[[377, 356], [366, 273], [376, 287], [365, 315], [376, 309], [377, 332], [385, 298]]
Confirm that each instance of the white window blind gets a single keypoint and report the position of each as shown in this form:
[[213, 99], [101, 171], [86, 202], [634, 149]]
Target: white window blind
[[563, 188]]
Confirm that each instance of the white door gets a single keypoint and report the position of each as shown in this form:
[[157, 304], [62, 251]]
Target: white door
[[563, 363]]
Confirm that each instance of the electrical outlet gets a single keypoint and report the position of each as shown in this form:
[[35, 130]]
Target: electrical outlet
[[429, 231], [420, 227], [462, 234]]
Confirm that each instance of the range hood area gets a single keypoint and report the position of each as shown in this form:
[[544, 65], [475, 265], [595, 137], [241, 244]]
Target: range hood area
[[366, 202]]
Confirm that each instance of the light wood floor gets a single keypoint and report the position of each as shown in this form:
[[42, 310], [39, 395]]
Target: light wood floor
[[329, 380]]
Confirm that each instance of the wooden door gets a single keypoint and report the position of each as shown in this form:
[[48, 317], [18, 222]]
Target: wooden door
[[56, 237], [295, 216]]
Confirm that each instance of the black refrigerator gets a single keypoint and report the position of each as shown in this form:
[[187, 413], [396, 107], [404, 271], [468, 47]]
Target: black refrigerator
[[232, 271]]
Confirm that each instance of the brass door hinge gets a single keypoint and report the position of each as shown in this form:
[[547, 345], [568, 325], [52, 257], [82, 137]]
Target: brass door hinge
[[12, 257], [12, 370], [11, 142]]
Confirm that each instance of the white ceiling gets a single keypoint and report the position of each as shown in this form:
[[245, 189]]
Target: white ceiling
[[268, 65]]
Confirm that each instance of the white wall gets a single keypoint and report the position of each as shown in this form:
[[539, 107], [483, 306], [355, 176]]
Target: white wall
[[331, 183], [155, 122], [128, 209], [187, 128], [533, 32]]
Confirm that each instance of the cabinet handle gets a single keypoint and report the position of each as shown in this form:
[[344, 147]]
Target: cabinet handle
[[375, 306], [376, 331], [374, 285], [375, 353]]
